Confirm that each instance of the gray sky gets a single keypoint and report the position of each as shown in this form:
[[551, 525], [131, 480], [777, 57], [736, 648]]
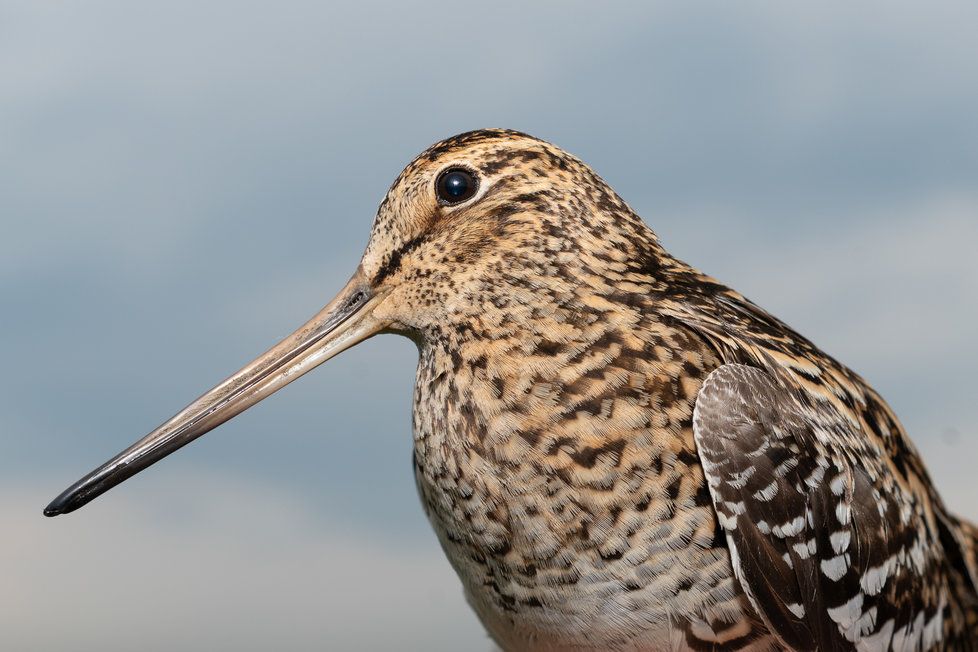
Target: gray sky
[[183, 183]]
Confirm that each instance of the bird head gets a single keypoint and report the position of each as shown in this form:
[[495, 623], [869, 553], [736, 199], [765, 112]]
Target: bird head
[[485, 222], [492, 218]]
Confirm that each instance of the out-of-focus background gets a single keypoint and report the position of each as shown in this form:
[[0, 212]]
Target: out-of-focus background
[[183, 183]]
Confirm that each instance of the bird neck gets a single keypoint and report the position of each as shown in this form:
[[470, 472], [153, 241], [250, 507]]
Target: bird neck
[[501, 372]]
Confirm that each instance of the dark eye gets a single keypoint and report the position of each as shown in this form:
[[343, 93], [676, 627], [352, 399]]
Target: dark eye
[[455, 185]]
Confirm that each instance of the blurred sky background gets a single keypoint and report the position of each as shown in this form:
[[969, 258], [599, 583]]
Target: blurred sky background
[[183, 183]]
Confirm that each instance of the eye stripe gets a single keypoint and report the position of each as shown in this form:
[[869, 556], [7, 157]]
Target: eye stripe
[[394, 262]]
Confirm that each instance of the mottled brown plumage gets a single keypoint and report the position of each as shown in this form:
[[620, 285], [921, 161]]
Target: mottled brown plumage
[[616, 451], [562, 351]]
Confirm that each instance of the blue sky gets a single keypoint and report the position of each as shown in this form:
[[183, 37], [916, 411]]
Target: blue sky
[[183, 183]]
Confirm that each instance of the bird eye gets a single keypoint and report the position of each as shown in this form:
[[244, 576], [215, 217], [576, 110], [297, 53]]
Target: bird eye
[[455, 185]]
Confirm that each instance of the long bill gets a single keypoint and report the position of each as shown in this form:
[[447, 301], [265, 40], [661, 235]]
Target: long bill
[[345, 321]]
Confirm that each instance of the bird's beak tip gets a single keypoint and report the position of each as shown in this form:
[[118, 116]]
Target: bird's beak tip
[[59, 506]]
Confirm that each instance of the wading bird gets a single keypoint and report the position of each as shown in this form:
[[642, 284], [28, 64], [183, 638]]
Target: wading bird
[[615, 450]]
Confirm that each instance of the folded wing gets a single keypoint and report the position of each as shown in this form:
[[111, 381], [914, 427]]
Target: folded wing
[[833, 548]]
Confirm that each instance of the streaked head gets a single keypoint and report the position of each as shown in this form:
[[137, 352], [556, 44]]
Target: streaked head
[[481, 219]]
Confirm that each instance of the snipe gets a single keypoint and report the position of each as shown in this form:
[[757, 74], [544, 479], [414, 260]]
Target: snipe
[[617, 451]]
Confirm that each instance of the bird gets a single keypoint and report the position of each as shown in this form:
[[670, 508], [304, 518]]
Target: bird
[[615, 450]]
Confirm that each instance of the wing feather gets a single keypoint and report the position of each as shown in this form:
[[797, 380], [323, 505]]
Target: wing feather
[[832, 549]]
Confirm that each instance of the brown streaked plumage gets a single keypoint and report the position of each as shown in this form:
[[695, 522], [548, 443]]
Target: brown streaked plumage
[[616, 451]]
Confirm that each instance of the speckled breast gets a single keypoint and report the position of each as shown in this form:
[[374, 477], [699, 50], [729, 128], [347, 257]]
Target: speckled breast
[[567, 494]]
